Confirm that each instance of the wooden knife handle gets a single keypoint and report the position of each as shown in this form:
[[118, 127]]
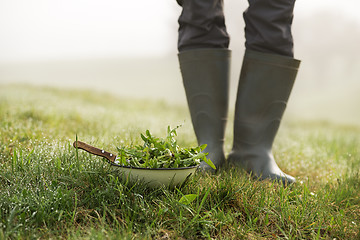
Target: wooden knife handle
[[93, 150]]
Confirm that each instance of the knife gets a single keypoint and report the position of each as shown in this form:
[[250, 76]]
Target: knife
[[96, 151]]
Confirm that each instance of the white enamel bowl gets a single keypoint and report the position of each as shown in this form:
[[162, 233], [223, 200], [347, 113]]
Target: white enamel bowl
[[156, 177]]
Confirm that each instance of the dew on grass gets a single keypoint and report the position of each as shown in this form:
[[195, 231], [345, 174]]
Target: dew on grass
[[139, 195]]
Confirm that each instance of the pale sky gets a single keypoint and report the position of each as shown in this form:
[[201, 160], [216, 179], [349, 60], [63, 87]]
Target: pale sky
[[60, 29]]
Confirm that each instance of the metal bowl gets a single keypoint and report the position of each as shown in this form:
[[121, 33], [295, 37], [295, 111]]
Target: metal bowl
[[156, 177]]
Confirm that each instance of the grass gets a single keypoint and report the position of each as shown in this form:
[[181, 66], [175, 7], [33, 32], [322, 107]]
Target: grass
[[48, 190]]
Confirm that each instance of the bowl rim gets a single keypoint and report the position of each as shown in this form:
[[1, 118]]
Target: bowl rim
[[140, 168]]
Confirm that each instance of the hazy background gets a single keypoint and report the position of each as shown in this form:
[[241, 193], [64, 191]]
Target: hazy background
[[128, 48]]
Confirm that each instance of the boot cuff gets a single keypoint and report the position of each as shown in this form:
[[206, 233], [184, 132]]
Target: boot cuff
[[203, 54], [273, 59]]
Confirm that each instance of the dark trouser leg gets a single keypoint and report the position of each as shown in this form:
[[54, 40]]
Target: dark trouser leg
[[268, 26], [202, 25]]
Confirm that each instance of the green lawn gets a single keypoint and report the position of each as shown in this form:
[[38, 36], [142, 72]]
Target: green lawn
[[47, 191]]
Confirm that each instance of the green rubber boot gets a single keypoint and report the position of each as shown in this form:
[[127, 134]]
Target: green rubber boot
[[205, 74], [266, 81]]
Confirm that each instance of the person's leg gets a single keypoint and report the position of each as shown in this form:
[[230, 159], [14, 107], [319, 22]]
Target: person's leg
[[268, 26], [266, 80], [202, 25], [205, 61]]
